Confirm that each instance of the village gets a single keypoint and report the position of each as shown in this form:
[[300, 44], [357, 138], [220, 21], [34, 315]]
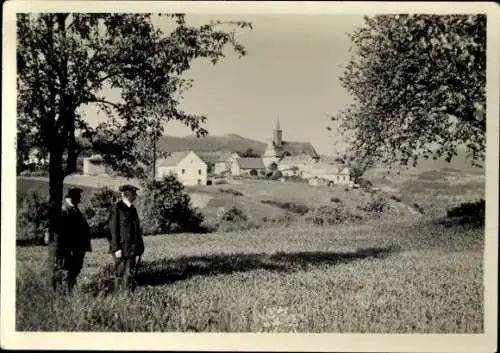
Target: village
[[282, 160]]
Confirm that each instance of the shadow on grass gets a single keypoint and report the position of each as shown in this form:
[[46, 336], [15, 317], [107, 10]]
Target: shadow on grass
[[167, 271]]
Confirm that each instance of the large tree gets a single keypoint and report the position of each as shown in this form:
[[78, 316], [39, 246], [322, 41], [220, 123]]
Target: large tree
[[64, 60], [418, 88]]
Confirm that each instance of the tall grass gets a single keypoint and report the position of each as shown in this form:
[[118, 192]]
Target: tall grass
[[374, 277]]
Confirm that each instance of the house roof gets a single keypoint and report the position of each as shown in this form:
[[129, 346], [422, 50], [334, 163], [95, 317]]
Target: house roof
[[297, 159], [173, 159], [251, 163], [297, 148]]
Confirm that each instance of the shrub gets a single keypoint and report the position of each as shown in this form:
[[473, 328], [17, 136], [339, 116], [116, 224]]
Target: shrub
[[290, 206], [32, 218], [285, 219], [233, 219], [275, 175], [335, 199], [165, 207], [97, 211], [377, 205], [396, 198], [328, 215], [365, 184], [295, 179], [234, 214], [418, 208], [231, 191], [471, 212], [254, 172]]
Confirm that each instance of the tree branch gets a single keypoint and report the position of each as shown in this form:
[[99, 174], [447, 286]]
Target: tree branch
[[100, 100]]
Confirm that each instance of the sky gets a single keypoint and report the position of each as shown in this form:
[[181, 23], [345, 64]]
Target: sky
[[291, 72]]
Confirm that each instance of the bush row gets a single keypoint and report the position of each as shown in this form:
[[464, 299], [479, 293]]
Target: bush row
[[289, 206]]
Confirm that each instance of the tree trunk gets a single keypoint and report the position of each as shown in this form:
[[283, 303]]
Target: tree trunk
[[154, 157], [71, 165], [56, 179]]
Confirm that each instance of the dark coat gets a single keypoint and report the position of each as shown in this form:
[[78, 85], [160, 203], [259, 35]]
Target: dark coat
[[74, 231], [125, 229]]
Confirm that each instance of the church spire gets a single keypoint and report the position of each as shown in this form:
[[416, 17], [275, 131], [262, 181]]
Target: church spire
[[278, 134]]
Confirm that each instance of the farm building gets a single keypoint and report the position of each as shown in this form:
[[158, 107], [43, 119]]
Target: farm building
[[339, 175], [189, 168], [247, 166], [278, 149], [94, 165]]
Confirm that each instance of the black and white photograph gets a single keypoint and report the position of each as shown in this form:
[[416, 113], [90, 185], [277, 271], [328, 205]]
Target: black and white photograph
[[320, 175]]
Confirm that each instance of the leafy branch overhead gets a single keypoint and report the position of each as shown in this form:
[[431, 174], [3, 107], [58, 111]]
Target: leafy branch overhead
[[66, 60], [418, 83]]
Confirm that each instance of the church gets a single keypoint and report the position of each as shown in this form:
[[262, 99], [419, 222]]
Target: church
[[278, 149]]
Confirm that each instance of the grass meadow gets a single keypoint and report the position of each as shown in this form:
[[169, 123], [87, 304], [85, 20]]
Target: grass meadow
[[377, 277], [400, 273]]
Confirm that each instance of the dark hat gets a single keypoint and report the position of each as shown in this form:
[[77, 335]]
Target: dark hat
[[72, 192], [128, 187]]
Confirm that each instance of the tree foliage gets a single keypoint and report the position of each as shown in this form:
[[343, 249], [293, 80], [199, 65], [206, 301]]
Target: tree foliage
[[418, 83], [249, 152], [66, 60]]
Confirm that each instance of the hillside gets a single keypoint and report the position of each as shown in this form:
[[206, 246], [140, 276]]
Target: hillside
[[230, 142], [460, 163]]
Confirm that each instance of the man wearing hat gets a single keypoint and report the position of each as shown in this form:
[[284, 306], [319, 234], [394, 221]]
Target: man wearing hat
[[74, 233], [126, 244]]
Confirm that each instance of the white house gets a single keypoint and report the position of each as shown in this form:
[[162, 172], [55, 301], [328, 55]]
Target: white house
[[94, 165], [189, 168]]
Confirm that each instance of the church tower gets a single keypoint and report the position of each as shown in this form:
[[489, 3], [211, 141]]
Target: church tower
[[272, 152], [278, 134]]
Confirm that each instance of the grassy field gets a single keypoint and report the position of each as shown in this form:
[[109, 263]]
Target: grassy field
[[434, 190], [378, 277], [41, 185], [398, 274]]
